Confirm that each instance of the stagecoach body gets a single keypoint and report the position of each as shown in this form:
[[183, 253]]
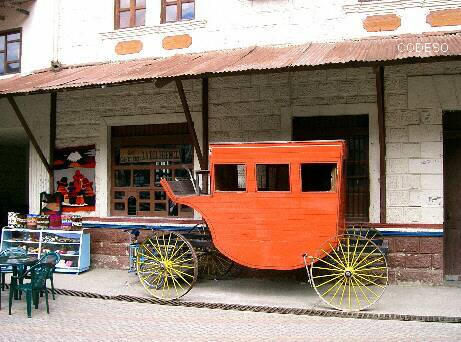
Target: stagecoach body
[[266, 207]]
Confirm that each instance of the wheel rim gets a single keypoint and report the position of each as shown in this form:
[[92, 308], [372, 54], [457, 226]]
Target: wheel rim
[[213, 265], [349, 272], [167, 265]]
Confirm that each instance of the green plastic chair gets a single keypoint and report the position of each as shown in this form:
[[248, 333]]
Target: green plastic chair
[[39, 273], [51, 258]]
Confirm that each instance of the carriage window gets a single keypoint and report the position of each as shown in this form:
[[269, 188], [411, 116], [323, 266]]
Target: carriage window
[[230, 177], [318, 177], [273, 177]]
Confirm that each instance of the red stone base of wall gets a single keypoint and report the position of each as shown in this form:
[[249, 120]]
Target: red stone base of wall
[[410, 259], [415, 259], [109, 248]]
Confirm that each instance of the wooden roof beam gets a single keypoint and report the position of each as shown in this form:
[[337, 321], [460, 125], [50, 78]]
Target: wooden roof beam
[[29, 133], [190, 124]]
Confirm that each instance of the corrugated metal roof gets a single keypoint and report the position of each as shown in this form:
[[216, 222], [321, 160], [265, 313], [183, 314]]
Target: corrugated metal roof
[[239, 60]]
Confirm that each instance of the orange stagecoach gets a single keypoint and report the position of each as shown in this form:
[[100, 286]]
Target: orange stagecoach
[[277, 205]]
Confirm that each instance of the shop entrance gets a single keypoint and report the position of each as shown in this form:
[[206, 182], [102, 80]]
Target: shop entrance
[[452, 194], [141, 157], [353, 129]]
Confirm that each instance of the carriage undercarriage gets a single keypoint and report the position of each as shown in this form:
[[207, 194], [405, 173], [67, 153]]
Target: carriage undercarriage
[[348, 272]]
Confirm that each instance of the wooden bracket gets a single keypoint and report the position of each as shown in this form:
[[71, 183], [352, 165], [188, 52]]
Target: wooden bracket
[[30, 134], [190, 124], [161, 82]]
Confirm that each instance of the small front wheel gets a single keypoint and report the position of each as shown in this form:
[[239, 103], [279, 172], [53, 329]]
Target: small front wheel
[[167, 265]]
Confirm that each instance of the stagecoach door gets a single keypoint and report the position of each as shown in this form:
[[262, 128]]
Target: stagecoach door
[[353, 129], [452, 194]]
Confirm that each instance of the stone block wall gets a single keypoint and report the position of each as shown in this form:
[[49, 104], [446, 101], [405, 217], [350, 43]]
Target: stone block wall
[[416, 96]]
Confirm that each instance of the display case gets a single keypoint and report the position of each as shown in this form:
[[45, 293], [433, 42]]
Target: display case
[[73, 246]]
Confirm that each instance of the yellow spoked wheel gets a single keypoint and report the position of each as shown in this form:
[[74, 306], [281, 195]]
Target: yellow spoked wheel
[[349, 273], [167, 265]]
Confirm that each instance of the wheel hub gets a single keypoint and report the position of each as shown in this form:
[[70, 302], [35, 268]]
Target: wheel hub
[[348, 272], [168, 264]]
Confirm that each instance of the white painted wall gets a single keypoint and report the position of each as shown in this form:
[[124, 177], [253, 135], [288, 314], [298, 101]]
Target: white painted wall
[[37, 33], [83, 31]]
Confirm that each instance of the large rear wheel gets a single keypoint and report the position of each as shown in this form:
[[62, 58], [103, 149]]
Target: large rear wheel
[[167, 265], [349, 272]]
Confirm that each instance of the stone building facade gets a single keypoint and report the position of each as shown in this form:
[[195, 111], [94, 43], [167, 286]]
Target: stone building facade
[[259, 106]]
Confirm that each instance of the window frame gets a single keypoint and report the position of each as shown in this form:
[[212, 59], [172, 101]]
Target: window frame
[[334, 187], [178, 10], [132, 11], [5, 34], [229, 191], [271, 191]]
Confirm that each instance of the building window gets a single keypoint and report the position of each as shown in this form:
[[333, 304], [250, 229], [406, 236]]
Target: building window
[[130, 13], [10, 52], [177, 10]]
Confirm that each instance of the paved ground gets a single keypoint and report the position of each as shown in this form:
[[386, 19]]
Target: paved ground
[[82, 319], [397, 299]]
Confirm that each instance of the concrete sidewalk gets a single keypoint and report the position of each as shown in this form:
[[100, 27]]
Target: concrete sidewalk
[[421, 300]]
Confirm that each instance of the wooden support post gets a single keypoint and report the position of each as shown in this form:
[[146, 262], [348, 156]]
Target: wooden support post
[[53, 100], [379, 72], [29, 134], [190, 124], [205, 119]]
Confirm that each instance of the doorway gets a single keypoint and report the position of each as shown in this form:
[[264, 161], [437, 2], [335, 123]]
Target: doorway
[[452, 194], [354, 130]]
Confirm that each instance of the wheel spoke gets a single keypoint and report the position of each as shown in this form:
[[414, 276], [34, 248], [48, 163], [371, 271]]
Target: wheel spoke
[[330, 280], [342, 251], [330, 264], [342, 294], [355, 251], [366, 287], [355, 292], [331, 288], [337, 290], [370, 281], [360, 254], [339, 259], [370, 262], [361, 290]]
